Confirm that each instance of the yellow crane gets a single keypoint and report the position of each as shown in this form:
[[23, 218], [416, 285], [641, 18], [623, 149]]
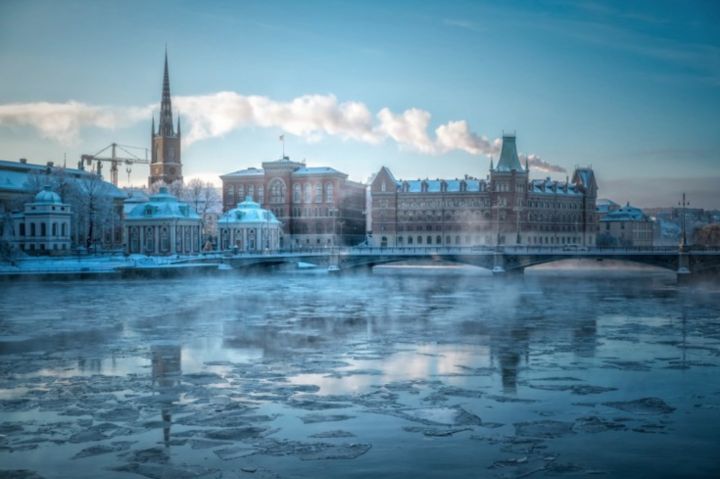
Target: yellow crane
[[114, 160]]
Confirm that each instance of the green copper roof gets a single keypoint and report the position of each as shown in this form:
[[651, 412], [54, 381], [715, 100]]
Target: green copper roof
[[508, 157]]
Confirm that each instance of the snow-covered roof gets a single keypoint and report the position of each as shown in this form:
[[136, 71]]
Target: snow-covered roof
[[554, 187], [248, 212], [625, 213], [48, 196], [162, 205], [435, 186], [317, 170], [15, 177], [245, 173], [604, 205]]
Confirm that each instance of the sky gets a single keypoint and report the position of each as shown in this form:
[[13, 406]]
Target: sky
[[425, 88]]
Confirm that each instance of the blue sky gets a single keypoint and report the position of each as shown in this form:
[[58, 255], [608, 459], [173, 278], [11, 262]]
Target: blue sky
[[632, 88]]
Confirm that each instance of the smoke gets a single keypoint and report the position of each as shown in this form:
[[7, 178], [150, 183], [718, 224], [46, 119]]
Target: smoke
[[311, 117], [537, 163], [62, 121]]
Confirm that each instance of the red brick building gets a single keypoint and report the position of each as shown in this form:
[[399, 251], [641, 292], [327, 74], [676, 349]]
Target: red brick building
[[505, 208], [318, 206]]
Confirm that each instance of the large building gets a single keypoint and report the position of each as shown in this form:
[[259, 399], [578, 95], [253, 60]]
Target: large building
[[249, 228], [44, 225], [507, 208], [626, 226], [317, 206], [162, 225], [95, 205], [165, 164]]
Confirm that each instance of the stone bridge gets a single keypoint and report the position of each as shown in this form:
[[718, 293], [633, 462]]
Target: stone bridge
[[499, 260]]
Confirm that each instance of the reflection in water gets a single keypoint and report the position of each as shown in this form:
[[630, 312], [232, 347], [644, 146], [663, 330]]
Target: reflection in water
[[166, 374]]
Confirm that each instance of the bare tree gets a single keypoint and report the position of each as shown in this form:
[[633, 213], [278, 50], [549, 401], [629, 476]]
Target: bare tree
[[205, 199], [92, 200]]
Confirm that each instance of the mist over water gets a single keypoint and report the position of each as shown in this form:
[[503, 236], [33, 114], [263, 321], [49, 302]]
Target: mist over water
[[422, 374]]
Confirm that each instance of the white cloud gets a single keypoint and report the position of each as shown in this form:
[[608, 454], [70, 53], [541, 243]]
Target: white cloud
[[311, 117], [63, 121]]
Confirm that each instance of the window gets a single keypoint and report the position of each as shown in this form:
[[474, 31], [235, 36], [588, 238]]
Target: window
[[308, 193], [297, 194], [261, 194], [329, 193], [383, 187], [240, 193], [43, 229], [251, 192], [22, 229], [318, 193], [54, 229], [277, 191]]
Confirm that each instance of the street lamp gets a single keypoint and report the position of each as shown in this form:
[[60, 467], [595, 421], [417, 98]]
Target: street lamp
[[683, 241]]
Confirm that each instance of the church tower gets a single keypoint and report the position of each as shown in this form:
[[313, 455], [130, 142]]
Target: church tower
[[165, 165]]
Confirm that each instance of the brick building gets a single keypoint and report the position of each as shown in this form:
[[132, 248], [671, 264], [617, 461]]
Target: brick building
[[317, 206], [505, 208]]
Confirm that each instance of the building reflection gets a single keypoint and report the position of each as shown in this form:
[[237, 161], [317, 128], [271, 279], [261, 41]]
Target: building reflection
[[166, 372]]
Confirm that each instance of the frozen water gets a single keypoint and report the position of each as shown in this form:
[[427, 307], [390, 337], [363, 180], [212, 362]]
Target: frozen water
[[359, 375]]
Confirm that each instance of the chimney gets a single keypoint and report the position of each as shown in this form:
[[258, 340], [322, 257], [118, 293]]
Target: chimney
[[50, 164], [23, 161]]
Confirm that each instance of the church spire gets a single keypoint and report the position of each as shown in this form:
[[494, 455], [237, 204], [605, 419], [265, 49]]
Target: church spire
[[166, 123]]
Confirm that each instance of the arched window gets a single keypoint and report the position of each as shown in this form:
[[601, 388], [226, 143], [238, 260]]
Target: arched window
[[164, 240], [308, 193], [318, 193], [277, 191], [329, 193], [297, 193]]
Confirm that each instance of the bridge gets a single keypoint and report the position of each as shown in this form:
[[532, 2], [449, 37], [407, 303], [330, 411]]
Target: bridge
[[685, 262]]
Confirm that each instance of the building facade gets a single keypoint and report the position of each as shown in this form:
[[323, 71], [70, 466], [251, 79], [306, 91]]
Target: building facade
[[317, 206], [249, 228], [506, 208], [44, 225], [165, 163], [162, 226], [626, 226], [95, 205]]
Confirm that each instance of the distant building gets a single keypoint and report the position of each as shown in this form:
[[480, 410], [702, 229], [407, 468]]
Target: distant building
[[162, 226], [317, 206], [166, 164], [604, 206], [249, 228], [20, 181], [44, 225], [627, 226], [507, 208]]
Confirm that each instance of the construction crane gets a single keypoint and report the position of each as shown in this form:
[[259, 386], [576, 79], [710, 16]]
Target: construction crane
[[115, 160]]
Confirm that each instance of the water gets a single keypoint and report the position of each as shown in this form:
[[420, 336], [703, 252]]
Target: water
[[357, 375]]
